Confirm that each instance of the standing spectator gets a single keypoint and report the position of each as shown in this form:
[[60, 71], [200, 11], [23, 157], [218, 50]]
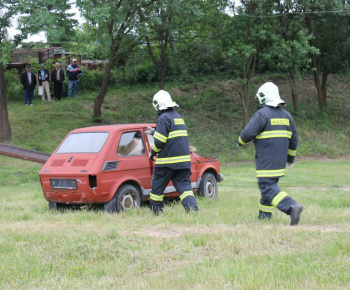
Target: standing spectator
[[28, 80], [73, 73], [43, 80], [57, 76]]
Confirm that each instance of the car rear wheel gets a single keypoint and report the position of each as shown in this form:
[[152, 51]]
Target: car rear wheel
[[208, 187], [126, 198]]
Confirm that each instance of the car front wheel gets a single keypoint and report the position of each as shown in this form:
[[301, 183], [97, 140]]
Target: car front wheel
[[126, 198], [208, 187]]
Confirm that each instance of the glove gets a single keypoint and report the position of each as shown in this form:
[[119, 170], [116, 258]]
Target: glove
[[239, 145], [151, 156], [290, 165], [150, 131]]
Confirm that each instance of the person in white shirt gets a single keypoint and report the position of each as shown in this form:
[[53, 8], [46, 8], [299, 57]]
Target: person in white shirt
[[57, 76]]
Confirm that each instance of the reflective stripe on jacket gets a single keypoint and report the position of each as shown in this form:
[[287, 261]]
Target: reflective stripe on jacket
[[275, 136], [171, 141]]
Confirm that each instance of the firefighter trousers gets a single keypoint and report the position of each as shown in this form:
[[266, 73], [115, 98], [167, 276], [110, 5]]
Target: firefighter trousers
[[182, 183], [271, 197]]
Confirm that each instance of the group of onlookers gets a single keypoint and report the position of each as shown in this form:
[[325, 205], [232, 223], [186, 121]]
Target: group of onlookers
[[29, 81]]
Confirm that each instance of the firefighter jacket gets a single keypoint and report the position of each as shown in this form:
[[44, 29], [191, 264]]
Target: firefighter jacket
[[275, 136], [171, 141]]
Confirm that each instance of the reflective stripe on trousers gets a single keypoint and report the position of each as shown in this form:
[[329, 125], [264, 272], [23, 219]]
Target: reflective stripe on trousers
[[272, 196]]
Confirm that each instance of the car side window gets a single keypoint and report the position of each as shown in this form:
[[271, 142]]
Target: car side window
[[131, 144], [150, 139]]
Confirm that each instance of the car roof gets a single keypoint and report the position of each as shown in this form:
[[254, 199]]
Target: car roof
[[112, 128]]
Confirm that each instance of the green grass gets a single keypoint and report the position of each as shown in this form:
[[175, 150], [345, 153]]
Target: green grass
[[224, 246], [212, 112]]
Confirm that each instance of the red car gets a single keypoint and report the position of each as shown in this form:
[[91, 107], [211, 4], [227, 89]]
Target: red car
[[109, 165]]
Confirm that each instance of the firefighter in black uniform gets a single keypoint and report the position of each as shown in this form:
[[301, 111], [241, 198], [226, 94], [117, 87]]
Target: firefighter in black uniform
[[273, 131], [173, 160]]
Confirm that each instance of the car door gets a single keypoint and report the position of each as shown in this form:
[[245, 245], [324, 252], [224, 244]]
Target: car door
[[129, 162]]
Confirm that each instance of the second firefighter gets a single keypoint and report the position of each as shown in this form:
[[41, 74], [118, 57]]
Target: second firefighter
[[274, 133]]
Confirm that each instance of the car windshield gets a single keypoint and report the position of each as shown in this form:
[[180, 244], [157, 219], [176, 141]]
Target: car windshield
[[90, 142]]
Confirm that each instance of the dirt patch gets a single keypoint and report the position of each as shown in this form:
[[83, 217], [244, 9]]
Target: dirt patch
[[177, 231], [338, 228], [319, 188], [322, 158], [298, 159]]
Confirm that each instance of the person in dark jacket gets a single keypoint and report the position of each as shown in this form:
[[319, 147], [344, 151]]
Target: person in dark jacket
[[43, 81], [274, 133], [28, 80], [173, 160], [73, 73], [57, 76]]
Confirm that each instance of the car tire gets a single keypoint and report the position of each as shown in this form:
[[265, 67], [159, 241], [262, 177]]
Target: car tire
[[208, 187], [126, 198]]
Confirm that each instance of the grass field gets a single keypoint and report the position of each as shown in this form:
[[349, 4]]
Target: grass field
[[212, 112], [224, 246]]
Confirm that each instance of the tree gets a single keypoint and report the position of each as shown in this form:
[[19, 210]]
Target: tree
[[115, 23], [329, 24], [49, 16], [89, 43], [164, 24], [7, 10], [33, 16], [290, 49], [244, 35]]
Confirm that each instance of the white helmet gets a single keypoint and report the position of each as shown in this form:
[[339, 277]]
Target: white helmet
[[268, 94], [162, 101]]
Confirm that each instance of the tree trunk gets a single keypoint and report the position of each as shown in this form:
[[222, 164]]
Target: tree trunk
[[248, 72], [291, 77], [245, 103], [319, 87], [5, 129], [245, 114], [159, 64], [323, 100], [103, 91], [161, 67], [161, 74]]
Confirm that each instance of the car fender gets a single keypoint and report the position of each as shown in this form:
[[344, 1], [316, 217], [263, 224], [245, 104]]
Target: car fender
[[210, 169], [127, 180]]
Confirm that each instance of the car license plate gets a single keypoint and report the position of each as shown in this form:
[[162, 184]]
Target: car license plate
[[63, 183]]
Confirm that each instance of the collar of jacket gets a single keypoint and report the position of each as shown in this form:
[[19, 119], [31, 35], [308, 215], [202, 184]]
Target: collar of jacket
[[159, 112]]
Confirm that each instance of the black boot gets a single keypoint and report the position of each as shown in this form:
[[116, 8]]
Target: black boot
[[294, 213], [190, 203], [156, 206], [264, 215]]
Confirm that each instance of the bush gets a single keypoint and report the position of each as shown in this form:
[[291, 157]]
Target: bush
[[91, 80], [142, 74], [14, 88]]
